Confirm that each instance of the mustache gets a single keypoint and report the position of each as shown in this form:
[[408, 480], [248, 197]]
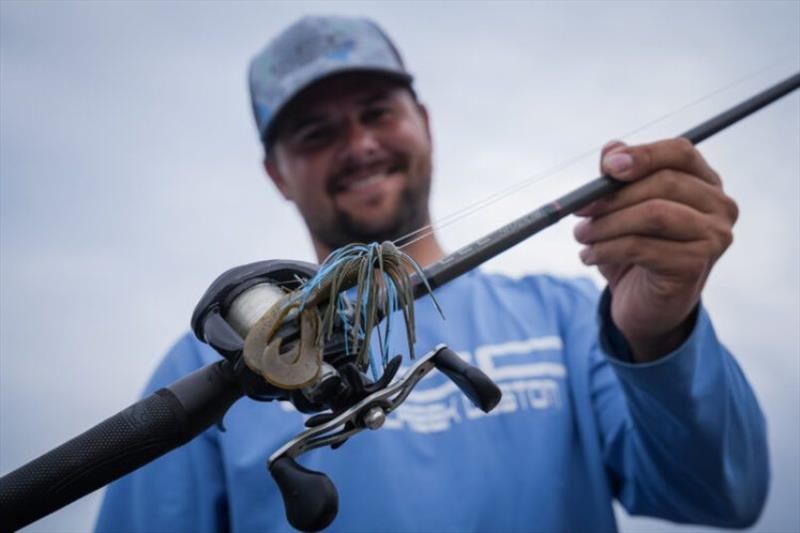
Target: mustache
[[341, 177]]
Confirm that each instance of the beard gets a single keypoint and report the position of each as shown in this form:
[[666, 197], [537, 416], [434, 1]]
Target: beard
[[410, 214]]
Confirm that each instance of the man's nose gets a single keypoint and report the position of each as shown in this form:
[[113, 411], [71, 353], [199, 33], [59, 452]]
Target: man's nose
[[362, 142]]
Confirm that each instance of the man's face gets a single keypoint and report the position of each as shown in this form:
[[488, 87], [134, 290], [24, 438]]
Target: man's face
[[354, 154]]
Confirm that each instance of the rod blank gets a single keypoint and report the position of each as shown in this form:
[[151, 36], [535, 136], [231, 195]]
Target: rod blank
[[478, 252]]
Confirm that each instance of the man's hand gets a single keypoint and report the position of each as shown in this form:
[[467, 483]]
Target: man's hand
[[656, 240]]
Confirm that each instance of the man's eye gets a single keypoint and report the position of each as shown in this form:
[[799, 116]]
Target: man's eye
[[376, 113], [315, 136]]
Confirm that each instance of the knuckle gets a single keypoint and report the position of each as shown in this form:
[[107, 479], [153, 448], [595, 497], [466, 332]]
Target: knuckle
[[686, 151], [671, 183], [684, 147], [724, 236], [715, 175], [731, 208], [727, 238], [632, 249], [718, 238], [657, 216]]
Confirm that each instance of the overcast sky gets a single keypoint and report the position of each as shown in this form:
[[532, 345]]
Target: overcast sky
[[130, 177]]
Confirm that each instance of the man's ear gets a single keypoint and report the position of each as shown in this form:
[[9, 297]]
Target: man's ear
[[273, 171]]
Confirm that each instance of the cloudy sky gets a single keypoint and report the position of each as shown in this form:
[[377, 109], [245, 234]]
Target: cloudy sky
[[130, 177]]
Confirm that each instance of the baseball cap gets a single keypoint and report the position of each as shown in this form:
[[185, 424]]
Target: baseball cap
[[311, 49]]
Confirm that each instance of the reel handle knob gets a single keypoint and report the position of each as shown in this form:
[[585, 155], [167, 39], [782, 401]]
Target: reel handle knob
[[310, 498], [472, 381]]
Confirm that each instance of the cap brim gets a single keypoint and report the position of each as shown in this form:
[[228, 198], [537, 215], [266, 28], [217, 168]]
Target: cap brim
[[268, 135]]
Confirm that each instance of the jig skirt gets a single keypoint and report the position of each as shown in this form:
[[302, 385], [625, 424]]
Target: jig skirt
[[378, 279]]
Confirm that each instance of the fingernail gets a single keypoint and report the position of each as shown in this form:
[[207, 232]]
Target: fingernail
[[580, 229], [618, 163], [585, 253], [611, 144]]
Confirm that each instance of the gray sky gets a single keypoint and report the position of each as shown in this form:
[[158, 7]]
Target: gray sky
[[130, 177]]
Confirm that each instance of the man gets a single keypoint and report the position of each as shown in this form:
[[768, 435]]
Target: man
[[643, 405]]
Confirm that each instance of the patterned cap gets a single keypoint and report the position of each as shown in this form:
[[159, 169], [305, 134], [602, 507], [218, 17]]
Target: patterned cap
[[311, 49]]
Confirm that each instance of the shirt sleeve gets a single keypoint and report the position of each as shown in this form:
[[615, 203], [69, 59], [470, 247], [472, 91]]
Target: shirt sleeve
[[683, 437], [183, 490]]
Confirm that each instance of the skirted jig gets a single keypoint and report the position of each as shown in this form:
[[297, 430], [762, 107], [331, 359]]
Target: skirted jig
[[380, 277]]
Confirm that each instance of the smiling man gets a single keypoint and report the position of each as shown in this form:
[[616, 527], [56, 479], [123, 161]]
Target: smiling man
[[623, 395], [374, 190]]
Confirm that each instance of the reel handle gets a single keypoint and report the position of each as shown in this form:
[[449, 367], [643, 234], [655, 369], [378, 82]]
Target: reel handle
[[310, 498], [473, 382]]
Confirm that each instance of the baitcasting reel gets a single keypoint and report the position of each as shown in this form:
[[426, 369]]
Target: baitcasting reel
[[342, 398]]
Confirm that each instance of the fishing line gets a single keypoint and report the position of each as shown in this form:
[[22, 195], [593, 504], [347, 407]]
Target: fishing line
[[460, 214]]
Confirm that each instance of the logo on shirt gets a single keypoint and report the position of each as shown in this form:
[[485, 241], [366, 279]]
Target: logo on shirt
[[530, 373]]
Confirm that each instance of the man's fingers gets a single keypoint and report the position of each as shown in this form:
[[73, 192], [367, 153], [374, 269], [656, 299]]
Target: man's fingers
[[675, 218], [656, 255], [656, 218], [671, 185], [629, 163]]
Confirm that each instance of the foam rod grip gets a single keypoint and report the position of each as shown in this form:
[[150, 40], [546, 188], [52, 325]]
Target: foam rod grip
[[120, 444]]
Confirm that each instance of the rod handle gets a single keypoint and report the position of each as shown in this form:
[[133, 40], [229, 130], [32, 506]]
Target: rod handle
[[117, 446]]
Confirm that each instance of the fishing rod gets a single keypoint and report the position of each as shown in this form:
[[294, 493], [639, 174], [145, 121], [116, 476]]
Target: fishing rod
[[478, 252], [344, 401]]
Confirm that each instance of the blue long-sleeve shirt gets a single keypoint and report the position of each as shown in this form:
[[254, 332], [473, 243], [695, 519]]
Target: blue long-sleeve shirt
[[681, 438]]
